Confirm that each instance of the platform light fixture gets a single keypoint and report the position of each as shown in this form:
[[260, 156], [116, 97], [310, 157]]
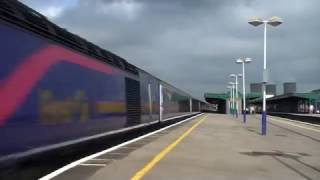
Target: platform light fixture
[[237, 80], [273, 21], [236, 92], [232, 98], [243, 61]]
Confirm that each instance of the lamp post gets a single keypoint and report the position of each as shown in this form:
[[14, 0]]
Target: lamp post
[[230, 102], [243, 62], [236, 92], [273, 21], [232, 97]]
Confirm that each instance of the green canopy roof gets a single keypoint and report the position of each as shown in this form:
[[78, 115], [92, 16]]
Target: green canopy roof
[[311, 96], [226, 95], [222, 96], [253, 95]]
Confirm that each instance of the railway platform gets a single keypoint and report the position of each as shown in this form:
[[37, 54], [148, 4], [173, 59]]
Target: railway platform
[[210, 146]]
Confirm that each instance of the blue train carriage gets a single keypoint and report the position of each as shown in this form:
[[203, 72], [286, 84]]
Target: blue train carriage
[[174, 102], [58, 89], [156, 95], [150, 98]]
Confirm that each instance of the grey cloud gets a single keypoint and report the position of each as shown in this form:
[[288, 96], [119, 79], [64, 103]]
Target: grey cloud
[[193, 44]]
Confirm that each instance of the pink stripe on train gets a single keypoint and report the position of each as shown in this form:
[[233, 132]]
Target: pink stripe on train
[[15, 89]]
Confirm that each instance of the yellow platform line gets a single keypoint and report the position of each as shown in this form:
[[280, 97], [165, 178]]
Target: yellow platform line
[[141, 173]]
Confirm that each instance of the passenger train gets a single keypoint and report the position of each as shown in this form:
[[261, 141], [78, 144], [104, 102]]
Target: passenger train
[[58, 89]]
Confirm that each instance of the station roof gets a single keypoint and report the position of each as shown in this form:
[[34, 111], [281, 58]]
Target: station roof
[[307, 96], [222, 96], [311, 95], [253, 95], [316, 91], [257, 97]]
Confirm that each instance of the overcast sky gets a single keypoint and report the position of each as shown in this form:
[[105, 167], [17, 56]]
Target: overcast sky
[[193, 44]]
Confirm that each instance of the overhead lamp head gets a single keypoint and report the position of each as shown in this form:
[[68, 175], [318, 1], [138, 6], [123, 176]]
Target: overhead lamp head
[[247, 60], [255, 21], [240, 75], [239, 61], [275, 21], [232, 75]]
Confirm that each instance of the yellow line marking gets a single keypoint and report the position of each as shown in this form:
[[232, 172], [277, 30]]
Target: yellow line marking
[[142, 172], [283, 121]]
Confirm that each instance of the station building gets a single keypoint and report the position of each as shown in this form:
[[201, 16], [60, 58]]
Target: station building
[[290, 103], [218, 100], [221, 101], [303, 103]]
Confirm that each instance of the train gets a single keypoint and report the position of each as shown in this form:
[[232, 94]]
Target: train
[[58, 89]]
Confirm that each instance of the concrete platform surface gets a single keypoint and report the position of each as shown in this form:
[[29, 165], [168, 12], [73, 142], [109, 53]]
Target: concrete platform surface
[[220, 147]]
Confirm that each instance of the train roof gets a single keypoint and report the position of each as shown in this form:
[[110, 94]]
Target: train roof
[[21, 15], [17, 13]]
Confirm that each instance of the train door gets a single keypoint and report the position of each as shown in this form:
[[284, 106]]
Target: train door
[[150, 100], [190, 104], [161, 102]]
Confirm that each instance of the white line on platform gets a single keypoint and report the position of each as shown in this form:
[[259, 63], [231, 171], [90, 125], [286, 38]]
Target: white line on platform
[[99, 159], [75, 141], [80, 161], [175, 117], [292, 124], [89, 164]]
